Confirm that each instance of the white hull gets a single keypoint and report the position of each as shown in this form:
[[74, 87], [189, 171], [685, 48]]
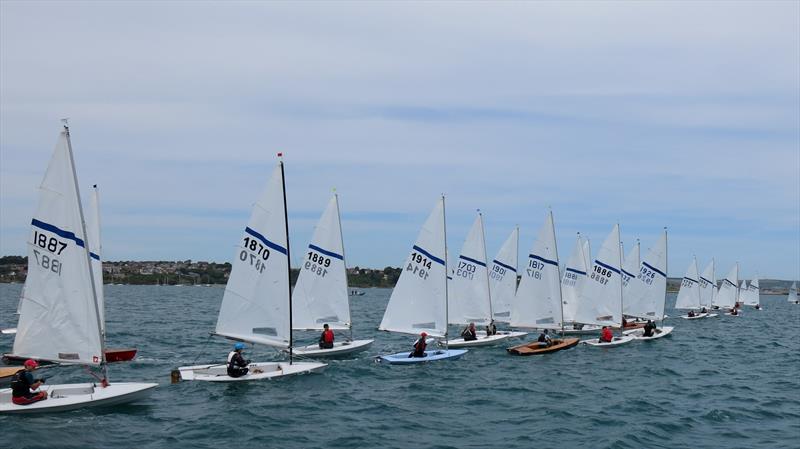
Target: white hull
[[269, 370], [617, 341], [638, 334], [699, 316], [339, 348], [9, 331], [75, 396], [483, 340], [585, 330], [730, 314]]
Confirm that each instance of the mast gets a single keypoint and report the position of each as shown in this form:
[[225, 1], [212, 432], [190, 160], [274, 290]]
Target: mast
[[486, 260], [446, 299], [344, 261], [666, 271], [558, 270], [621, 306], [288, 256], [88, 258]]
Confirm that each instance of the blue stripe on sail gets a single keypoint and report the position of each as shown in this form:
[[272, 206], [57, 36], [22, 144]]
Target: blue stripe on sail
[[430, 256], [94, 256], [58, 231], [690, 279], [469, 259], [325, 251], [734, 285], [701, 277], [583, 273], [607, 267], [654, 269], [264, 240], [507, 267], [542, 259], [628, 274]]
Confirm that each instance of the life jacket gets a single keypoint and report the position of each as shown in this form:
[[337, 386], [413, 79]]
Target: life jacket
[[420, 345], [606, 335], [19, 385], [542, 338], [327, 336]]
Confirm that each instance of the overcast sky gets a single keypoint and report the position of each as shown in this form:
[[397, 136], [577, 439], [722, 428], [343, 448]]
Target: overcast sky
[[650, 114]]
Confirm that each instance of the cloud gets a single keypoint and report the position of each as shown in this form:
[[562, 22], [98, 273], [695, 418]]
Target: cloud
[[647, 114]]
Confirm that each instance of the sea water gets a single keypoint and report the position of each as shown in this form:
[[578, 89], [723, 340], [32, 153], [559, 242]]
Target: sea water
[[724, 382]]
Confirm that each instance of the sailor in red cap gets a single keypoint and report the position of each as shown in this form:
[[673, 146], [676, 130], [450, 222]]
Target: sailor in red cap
[[23, 384], [419, 346]]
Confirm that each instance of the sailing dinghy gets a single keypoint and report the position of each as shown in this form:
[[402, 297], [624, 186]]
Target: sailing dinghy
[[571, 284], [600, 301], [60, 319], [257, 303], [321, 294], [646, 294], [503, 278], [792, 298], [471, 293], [419, 301], [751, 296], [539, 303], [728, 295]]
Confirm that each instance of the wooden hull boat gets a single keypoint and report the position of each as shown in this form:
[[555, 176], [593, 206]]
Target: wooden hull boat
[[535, 348]]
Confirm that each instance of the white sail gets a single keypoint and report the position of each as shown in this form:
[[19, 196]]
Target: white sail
[[469, 299], [646, 294], [600, 300], [419, 300], [708, 286], [752, 294], [538, 300], [729, 290], [587, 254], [59, 318], [96, 251], [630, 266], [792, 297], [320, 295], [574, 276], [255, 305], [503, 278], [689, 294]]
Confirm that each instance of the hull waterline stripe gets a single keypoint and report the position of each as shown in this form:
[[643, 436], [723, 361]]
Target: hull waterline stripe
[[654, 269], [429, 255], [507, 267], [607, 267], [264, 240], [542, 259], [325, 252], [469, 259]]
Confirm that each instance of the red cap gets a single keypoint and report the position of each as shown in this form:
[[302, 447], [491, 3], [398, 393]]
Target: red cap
[[280, 154], [30, 363], [423, 334]]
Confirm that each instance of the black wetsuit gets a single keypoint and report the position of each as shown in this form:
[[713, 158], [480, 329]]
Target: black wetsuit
[[21, 384], [469, 334], [648, 329], [237, 365]]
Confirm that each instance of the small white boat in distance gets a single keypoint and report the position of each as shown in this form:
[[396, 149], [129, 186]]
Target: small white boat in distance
[[699, 316], [61, 317], [792, 298], [257, 303], [484, 340], [9, 331], [638, 334]]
